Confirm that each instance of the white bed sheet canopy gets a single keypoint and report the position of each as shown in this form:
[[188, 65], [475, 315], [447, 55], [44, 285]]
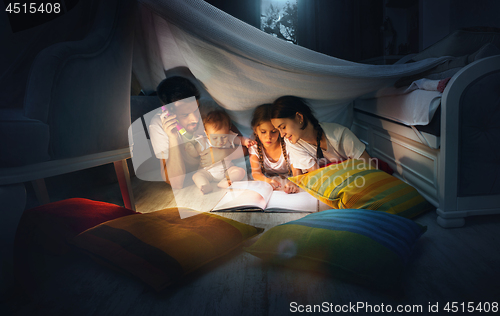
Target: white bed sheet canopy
[[242, 67]]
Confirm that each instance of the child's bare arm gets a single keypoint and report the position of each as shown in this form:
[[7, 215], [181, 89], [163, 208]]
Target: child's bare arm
[[193, 150], [258, 175], [245, 141]]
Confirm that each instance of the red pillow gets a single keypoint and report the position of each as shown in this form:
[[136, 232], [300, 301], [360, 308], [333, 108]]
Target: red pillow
[[384, 166], [52, 225], [47, 230]]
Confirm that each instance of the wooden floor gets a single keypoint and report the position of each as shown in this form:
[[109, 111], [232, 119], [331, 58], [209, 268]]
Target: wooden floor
[[447, 265]]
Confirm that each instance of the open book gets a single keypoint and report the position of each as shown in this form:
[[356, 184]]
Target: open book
[[259, 196]]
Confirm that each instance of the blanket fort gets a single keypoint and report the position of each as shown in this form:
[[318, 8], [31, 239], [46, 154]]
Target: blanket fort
[[243, 67]]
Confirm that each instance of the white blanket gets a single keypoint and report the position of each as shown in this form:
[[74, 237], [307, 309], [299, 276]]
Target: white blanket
[[242, 67], [413, 108]]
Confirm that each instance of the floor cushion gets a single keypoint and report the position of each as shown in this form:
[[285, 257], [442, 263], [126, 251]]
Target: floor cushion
[[356, 184], [362, 246], [47, 230], [161, 247]]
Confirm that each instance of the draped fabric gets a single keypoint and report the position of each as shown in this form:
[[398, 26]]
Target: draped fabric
[[242, 67]]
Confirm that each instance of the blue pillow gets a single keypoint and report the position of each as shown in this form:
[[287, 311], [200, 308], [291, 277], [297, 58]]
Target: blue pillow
[[363, 246]]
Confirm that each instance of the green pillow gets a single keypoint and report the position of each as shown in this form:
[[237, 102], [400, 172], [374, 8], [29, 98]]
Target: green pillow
[[354, 184], [161, 247], [363, 246]]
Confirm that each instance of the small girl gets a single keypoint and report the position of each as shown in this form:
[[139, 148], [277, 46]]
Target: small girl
[[269, 158]]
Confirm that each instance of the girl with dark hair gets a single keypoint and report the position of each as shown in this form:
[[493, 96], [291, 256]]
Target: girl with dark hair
[[269, 158], [312, 144]]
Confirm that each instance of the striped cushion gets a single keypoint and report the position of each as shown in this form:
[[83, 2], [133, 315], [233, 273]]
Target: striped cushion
[[362, 246], [160, 247], [354, 184]]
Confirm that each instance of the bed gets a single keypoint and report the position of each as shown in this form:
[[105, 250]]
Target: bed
[[452, 158]]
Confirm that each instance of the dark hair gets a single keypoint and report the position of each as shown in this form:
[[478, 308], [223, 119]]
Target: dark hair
[[262, 114], [288, 106], [218, 119], [176, 88]]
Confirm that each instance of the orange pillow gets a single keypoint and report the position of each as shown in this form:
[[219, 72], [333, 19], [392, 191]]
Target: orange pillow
[[160, 247]]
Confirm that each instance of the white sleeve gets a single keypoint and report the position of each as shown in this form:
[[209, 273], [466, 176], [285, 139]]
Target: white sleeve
[[300, 158], [252, 150], [232, 137], [343, 139], [159, 141], [350, 145]]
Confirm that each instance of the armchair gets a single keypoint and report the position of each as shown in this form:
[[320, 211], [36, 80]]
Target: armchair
[[75, 110]]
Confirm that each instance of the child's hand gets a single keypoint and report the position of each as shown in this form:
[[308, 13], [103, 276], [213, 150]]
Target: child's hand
[[247, 142], [224, 183], [290, 187], [275, 184]]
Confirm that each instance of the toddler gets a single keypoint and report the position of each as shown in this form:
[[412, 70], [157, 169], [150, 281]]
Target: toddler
[[218, 134]]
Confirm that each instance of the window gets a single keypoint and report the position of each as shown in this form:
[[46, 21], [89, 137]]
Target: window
[[279, 18]]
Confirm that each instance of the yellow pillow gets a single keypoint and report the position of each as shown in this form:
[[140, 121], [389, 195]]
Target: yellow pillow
[[353, 184]]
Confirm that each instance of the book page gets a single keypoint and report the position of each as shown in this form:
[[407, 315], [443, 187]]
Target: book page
[[240, 200], [293, 202], [259, 195], [245, 195], [261, 187]]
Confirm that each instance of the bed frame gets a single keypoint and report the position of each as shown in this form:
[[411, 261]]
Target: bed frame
[[432, 163]]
